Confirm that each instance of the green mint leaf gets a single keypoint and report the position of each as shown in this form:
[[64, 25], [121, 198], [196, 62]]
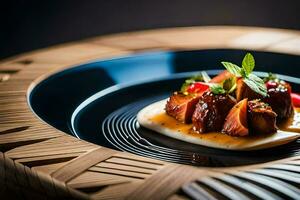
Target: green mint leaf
[[253, 81], [197, 77], [217, 89], [243, 73], [205, 77], [232, 68], [229, 84], [256, 79], [270, 77], [248, 63], [184, 87], [232, 89], [256, 86]]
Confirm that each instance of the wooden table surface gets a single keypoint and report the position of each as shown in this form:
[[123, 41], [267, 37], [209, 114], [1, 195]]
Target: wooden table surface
[[38, 161]]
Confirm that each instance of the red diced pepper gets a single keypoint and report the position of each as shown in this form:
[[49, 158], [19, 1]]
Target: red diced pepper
[[197, 87], [295, 99]]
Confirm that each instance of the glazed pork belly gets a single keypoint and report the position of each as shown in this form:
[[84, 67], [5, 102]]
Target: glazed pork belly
[[181, 106], [279, 98], [211, 111], [261, 117], [244, 91]]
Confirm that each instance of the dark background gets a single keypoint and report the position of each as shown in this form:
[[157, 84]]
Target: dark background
[[29, 25]]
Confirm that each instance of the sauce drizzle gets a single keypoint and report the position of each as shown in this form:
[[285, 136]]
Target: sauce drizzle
[[290, 125]]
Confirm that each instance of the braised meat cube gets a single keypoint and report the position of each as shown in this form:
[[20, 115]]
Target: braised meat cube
[[279, 98], [236, 121], [211, 111], [181, 106], [244, 91], [261, 117]]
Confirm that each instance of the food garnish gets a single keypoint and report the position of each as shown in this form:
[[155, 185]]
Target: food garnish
[[217, 89], [245, 72], [270, 76], [229, 84], [202, 82], [244, 91], [296, 99], [196, 87], [189, 84]]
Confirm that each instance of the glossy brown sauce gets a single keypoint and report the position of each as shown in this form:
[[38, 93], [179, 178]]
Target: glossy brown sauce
[[291, 125]]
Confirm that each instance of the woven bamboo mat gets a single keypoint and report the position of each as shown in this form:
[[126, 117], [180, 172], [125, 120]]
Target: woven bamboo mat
[[39, 162]]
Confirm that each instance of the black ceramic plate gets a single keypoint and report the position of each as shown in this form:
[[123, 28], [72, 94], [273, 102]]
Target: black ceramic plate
[[107, 115], [110, 115]]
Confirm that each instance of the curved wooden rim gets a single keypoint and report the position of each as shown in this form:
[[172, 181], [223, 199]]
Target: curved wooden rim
[[37, 159]]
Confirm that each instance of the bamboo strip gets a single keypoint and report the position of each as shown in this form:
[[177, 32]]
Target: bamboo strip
[[120, 172], [174, 176], [82, 163], [95, 179], [124, 167], [116, 191]]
